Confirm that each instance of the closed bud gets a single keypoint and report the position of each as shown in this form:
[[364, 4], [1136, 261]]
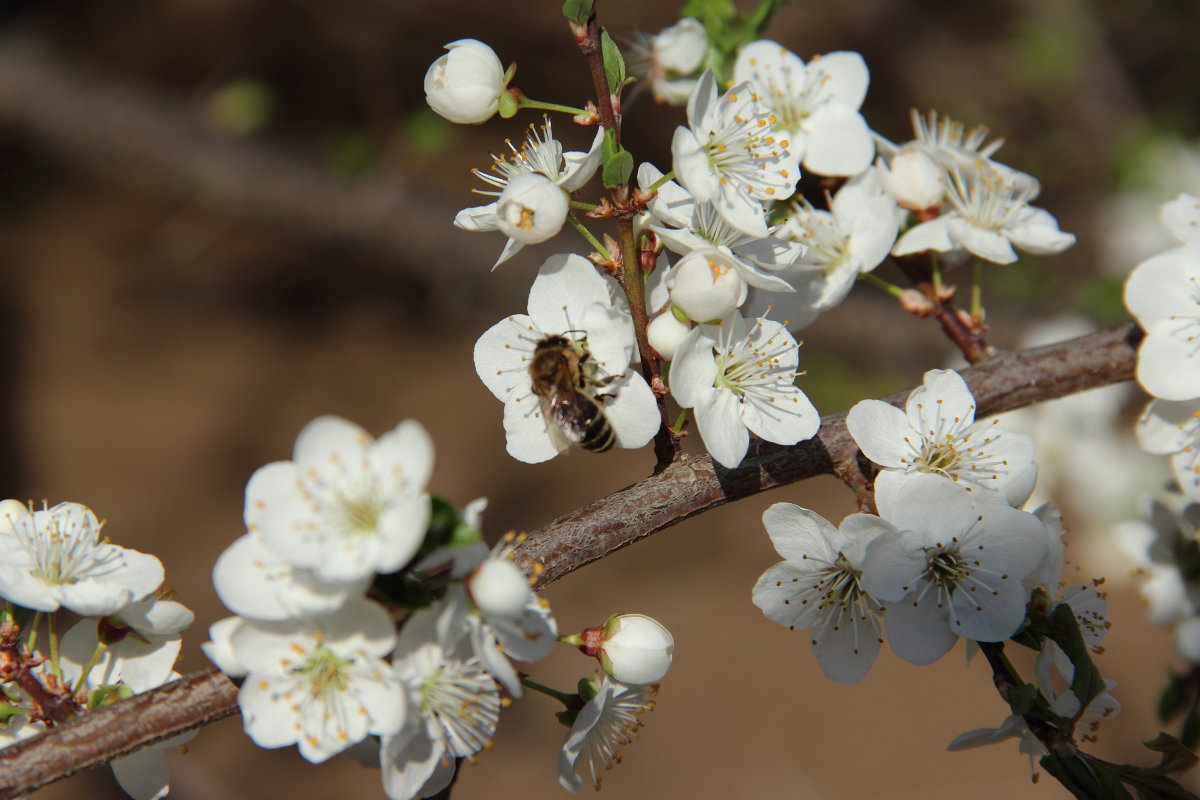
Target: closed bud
[[914, 179], [665, 332], [705, 285], [499, 589], [466, 83], [632, 648]]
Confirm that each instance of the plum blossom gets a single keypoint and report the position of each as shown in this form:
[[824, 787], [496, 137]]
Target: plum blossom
[[730, 155], [817, 104], [632, 648], [345, 506], [1163, 293], [937, 433], [465, 84], [669, 59], [739, 378], [818, 587], [949, 568], [1172, 428], [528, 213], [320, 682], [611, 719], [841, 244], [55, 557], [569, 298], [453, 703]]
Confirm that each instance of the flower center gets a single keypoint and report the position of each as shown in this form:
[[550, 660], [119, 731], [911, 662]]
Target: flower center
[[362, 514], [945, 568], [325, 672]]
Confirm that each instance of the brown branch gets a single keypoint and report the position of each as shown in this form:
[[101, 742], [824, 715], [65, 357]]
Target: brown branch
[[695, 484], [688, 487], [91, 740]]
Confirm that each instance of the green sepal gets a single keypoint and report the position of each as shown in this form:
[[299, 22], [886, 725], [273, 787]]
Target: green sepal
[[402, 589], [568, 716], [587, 689], [614, 62], [107, 695], [728, 29], [507, 105], [618, 162], [578, 11], [8, 711], [1063, 629], [1190, 730]]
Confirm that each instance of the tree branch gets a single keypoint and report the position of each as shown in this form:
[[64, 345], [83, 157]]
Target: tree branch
[[690, 486]]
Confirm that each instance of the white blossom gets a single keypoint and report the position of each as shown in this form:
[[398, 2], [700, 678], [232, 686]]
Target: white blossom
[[817, 104], [850, 239], [669, 59], [346, 505], [609, 721], [665, 333], [937, 433], [633, 648], [55, 557], [1163, 293], [464, 85], [531, 208], [818, 587], [950, 568], [541, 154], [988, 213], [705, 285], [453, 705], [568, 298], [739, 378], [1172, 428], [141, 645], [729, 155], [319, 682], [913, 178]]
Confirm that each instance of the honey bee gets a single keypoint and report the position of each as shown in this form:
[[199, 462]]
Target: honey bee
[[561, 372]]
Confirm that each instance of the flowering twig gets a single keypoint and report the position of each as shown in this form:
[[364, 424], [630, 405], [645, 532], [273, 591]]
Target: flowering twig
[[689, 486]]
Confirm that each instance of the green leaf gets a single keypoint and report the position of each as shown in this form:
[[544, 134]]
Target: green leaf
[[1176, 756], [579, 11], [1075, 776], [1022, 699], [1063, 629], [1174, 698], [1190, 730], [614, 62], [618, 162]]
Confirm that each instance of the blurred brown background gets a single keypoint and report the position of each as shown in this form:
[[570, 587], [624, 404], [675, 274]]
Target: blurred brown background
[[222, 218]]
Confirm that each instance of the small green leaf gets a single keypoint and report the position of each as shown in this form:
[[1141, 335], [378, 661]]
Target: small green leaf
[[614, 62], [1063, 629], [579, 11], [1190, 730], [1022, 699], [618, 162], [1176, 756]]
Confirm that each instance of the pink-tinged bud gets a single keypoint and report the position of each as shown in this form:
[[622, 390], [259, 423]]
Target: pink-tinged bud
[[531, 209], [465, 84], [499, 589], [914, 179], [632, 648], [665, 332], [705, 285]]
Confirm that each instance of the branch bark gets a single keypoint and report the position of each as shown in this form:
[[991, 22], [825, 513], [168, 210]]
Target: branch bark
[[688, 487]]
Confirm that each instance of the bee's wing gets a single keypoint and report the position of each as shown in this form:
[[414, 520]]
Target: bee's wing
[[572, 413], [551, 415]]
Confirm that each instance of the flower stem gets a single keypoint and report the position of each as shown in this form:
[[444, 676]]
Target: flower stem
[[977, 291], [582, 206], [677, 428], [592, 240], [568, 700], [87, 668], [31, 641], [525, 102], [52, 635], [658, 184], [887, 286]]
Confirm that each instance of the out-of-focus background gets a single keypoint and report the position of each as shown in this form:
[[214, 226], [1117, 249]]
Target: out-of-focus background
[[222, 218]]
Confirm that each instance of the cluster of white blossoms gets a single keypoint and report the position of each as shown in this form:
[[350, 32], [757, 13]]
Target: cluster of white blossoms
[[1163, 294], [128, 643], [950, 554], [342, 543]]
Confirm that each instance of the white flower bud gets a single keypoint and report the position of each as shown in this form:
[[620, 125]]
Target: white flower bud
[[465, 84], [705, 285], [665, 332], [499, 589], [635, 649], [914, 179], [531, 209]]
